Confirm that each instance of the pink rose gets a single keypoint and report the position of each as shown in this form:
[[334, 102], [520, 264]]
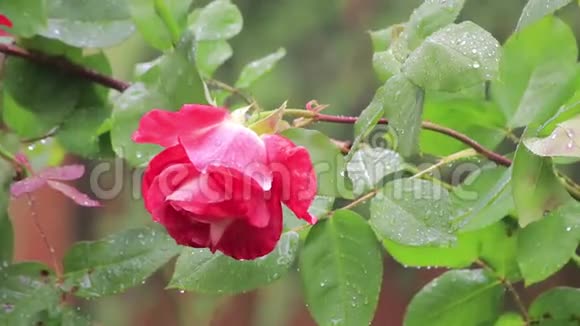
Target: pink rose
[[219, 185]]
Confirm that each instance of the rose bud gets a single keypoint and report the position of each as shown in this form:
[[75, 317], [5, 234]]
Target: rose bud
[[218, 184]]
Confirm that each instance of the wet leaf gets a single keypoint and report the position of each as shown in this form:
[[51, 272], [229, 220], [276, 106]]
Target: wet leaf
[[219, 20], [201, 271], [558, 306], [413, 212], [546, 245], [341, 269], [456, 57], [256, 69], [456, 298], [88, 23], [369, 166], [535, 188], [25, 290], [564, 140], [537, 9], [118, 262]]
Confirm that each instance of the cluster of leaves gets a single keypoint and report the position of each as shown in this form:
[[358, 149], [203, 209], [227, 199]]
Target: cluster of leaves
[[520, 223]]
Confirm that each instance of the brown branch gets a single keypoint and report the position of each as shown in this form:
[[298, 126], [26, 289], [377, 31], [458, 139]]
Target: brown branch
[[511, 289], [120, 86], [65, 65], [491, 155]]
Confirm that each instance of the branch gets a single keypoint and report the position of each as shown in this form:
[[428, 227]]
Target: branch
[[120, 86], [510, 287], [65, 65], [491, 155]]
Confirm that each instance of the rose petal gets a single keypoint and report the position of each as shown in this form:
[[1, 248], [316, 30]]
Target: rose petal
[[63, 173], [5, 21], [164, 127], [244, 241], [73, 193], [233, 146], [167, 157], [27, 185], [185, 231], [294, 175], [222, 193], [163, 185]]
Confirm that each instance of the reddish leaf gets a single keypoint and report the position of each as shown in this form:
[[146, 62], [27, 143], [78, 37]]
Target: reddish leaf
[[73, 193], [63, 173], [27, 185]]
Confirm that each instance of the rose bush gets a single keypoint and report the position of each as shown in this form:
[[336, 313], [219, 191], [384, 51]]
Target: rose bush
[[217, 184]]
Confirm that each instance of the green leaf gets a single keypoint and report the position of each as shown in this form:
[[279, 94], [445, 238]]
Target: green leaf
[[89, 23], [368, 119], [210, 55], [535, 188], [413, 212], [219, 20], [40, 97], [485, 199], [558, 306], [28, 16], [428, 18], [537, 9], [469, 114], [258, 68], [562, 142], [128, 109], [545, 246], [152, 27], [47, 92], [201, 271], [456, 298], [382, 38], [25, 290], [321, 205], [496, 245], [549, 42], [460, 254], [341, 269], [386, 65], [22, 121], [510, 319], [271, 123], [167, 84], [327, 160], [498, 249], [403, 103], [369, 166], [465, 54], [118, 262], [80, 132], [549, 87]]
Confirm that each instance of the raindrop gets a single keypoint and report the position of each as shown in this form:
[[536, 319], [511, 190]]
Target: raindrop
[[570, 145], [182, 291], [30, 147], [568, 229], [476, 65]]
